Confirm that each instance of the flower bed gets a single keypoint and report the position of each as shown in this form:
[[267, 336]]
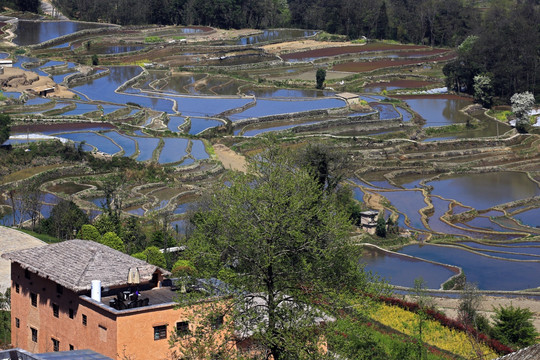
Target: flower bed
[[433, 332], [448, 323]]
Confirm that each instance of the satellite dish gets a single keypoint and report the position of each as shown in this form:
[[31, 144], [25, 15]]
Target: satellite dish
[[133, 276]]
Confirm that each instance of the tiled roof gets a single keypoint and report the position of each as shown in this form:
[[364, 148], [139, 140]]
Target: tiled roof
[[75, 263], [529, 353]]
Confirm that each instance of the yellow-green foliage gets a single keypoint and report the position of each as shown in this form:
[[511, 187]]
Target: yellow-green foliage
[[152, 39], [142, 62], [501, 115], [359, 41], [433, 332]]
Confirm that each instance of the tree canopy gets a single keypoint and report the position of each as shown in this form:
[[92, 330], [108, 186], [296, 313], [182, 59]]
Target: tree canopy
[[5, 122], [513, 326], [505, 46], [280, 241], [65, 221]]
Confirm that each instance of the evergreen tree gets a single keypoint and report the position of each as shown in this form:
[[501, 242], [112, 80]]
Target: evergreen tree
[[5, 122], [320, 76]]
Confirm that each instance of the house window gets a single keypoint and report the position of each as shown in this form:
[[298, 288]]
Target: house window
[[17, 288], [55, 344], [160, 332], [84, 320], [71, 314], [59, 289], [216, 322], [71, 347], [34, 334], [182, 328], [27, 274], [33, 299], [55, 310], [17, 323]]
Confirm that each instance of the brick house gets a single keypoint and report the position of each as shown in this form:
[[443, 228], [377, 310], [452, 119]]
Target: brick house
[[77, 295]]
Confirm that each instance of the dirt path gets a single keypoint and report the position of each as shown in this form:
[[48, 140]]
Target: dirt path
[[300, 45], [230, 159]]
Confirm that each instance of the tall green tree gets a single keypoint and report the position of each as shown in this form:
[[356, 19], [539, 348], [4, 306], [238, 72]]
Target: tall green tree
[[280, 242], [513, 326], [320, 76], [483, 90], [382, 22], [65, 221], [5, 127], [27, 5]]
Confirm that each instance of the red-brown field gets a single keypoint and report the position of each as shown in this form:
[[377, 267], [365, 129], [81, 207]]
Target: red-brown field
[[381, 64], [405, 84], [340, 50], [435, 96], [36, 128]]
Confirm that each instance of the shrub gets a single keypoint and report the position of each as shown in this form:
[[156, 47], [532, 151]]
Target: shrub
[[88, 232], [514, 326], [113, 241]]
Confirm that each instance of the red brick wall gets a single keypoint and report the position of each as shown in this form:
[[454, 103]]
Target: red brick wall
[[64, 329]]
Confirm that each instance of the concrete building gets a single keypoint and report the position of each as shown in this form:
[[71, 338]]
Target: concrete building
[[83, 295], [368, 221]]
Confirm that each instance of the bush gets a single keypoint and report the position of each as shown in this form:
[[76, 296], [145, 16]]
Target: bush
[[514, 326], [88, 232], [380, 229], [320, 77], [113, 241], [153, 256]]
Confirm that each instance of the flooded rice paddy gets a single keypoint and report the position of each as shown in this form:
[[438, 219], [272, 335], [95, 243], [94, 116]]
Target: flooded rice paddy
[[196, 102], [35, 32]]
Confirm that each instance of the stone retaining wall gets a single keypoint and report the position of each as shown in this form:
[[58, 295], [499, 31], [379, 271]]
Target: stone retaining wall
[[288, 116], [75, 35], [77, 78]]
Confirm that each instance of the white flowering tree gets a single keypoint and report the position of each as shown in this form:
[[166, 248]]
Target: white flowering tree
[[522, 104]]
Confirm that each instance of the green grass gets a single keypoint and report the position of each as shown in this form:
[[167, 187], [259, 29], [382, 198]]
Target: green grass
[[501, 115], [152, 39], [178, 37], [26, 173], [454, 128], [43, 237]]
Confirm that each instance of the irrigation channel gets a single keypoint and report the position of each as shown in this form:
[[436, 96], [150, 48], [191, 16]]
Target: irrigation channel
[[468, 184]]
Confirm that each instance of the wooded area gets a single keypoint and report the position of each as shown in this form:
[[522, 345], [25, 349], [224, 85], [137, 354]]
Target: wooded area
[[436, 22]]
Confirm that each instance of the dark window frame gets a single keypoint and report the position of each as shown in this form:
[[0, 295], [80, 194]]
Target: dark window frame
[[33, 299], [34, 334], [182, 328], [160, 332], [17, 322], [56, 344], [17, 288], [84, 320], [71, 313], [56, 310]]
